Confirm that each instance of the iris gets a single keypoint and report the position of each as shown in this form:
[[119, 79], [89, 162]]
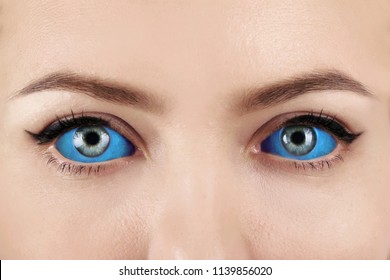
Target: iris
[[299, 143], [91, 144]]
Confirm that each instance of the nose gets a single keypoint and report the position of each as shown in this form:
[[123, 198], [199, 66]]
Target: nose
[[199, 219], [193, 229]]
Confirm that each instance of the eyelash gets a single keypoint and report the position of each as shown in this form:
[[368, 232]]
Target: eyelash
[[326, 122], [72, 168], [321, 120], [62, 125]]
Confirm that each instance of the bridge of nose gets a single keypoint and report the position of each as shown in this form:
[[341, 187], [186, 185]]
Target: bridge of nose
[[199, 217]]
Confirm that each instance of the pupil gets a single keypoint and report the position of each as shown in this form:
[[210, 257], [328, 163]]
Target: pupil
[[92, 138], [298, 138]]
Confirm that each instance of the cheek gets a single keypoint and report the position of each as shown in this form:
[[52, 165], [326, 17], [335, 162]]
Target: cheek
[[308, 220], [65, 219]]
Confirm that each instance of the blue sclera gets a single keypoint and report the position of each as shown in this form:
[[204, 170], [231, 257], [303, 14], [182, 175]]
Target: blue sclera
[[118, 147], [324, 145]]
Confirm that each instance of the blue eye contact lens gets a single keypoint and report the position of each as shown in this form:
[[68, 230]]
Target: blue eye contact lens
[[91, 144], [299, 143]]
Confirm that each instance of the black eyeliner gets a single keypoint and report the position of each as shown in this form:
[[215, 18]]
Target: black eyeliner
[[326, 122], [63, 125]]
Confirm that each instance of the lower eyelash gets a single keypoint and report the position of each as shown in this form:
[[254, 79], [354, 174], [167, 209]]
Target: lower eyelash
[[343, 136], [73, 169], [319, 164]]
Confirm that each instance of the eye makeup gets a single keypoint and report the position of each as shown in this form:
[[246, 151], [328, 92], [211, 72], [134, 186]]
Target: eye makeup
[[329, 140], [65, 124], [326, 122], [311, 122], [73, 144]]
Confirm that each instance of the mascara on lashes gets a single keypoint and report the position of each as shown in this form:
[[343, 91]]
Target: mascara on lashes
[[62, 125], [328, 123]]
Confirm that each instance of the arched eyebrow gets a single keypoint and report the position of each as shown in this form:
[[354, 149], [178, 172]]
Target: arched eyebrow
[[254, 98], [285, 90], [97, 88]]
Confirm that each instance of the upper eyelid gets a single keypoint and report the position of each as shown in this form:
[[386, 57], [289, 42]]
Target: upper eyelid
[[60, 126], [326, 122], [111, 119], [114, 122], [313, 120], [280, 121], [254, 150]]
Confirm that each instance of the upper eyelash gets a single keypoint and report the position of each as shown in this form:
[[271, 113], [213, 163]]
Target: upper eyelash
[[65, 124], [62, 125], [326, 122]]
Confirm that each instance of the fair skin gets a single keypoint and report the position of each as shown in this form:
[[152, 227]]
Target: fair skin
[[199, 185]]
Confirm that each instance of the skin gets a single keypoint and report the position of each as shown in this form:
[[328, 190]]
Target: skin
[[196, 190]]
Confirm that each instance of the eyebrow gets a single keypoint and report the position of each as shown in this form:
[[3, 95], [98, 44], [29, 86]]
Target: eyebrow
[[254, 98], [97, 88], [285, 90]]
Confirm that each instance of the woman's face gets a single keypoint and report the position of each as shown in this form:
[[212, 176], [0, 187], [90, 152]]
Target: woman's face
[[194, 129]]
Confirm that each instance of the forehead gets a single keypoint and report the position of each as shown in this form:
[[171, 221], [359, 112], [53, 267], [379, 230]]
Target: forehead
[[204, 41]]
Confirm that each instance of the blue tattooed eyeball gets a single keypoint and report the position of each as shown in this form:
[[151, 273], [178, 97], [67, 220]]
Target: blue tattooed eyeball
[[299, 143], [91, 144]]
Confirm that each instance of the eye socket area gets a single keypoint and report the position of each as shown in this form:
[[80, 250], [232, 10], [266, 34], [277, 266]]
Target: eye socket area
[[92, 144]]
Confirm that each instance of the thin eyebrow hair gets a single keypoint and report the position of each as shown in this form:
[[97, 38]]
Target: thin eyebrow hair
[[285, 90], [95, 87]]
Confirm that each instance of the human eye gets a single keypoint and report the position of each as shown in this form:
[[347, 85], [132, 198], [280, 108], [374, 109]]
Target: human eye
[[300, 142], [308, 140], [93, 143], [86, 143]]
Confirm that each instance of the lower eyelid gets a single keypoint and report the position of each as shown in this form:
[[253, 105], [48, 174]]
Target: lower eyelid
[[277, 163], [286, 167], [67, 168], [284, 120]]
